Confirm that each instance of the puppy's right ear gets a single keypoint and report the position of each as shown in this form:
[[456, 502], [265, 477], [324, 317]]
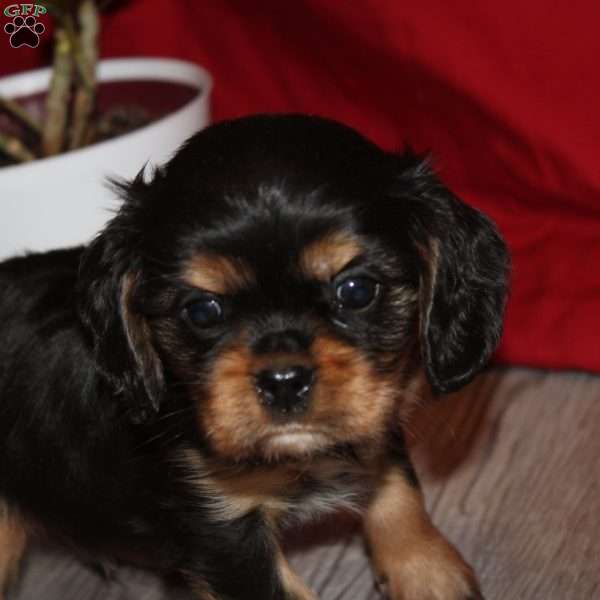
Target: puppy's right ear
[[463, 280], [109, 275]]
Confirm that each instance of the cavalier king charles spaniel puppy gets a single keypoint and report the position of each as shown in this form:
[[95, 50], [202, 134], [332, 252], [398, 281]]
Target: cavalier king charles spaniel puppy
[[236, 352]]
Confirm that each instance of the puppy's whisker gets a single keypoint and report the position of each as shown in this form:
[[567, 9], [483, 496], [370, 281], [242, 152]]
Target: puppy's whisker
[[181, 411], [160, 436]]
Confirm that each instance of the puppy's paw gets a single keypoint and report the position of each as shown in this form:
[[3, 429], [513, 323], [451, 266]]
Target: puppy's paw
[[432, 571]]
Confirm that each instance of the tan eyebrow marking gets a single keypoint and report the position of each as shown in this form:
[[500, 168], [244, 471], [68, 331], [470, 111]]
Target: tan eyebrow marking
[[326, 257], [217, 273]]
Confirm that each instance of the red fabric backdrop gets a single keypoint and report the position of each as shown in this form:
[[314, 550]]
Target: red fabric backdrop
[[504, 94]]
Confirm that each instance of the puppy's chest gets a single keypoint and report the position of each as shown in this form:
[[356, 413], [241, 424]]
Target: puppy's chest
[[292, 494], [327, 488]]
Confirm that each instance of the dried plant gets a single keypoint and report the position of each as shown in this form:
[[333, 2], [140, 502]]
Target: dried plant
[[71, 97]]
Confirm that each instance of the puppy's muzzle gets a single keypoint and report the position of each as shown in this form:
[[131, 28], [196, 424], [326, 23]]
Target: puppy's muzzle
[[285, 391]]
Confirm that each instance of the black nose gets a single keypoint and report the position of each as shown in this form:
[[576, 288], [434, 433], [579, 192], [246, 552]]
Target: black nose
[[285, 390]]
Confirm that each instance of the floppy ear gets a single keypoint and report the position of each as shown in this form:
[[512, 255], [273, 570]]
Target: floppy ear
[[108, 278], [463, 283]]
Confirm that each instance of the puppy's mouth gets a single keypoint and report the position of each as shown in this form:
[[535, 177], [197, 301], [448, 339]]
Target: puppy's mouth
[[293, 441]]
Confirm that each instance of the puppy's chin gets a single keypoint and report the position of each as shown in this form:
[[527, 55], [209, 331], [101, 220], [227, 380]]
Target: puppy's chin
[[293, 442]]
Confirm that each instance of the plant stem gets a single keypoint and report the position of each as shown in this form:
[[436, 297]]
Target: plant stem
[[15, 149], [86, 59], [57, 102], [16, 111]]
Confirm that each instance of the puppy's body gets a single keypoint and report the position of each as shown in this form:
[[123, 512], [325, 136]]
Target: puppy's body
[[69, 457], [235, 352]]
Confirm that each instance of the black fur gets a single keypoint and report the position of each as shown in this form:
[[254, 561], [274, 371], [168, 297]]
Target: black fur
[[91, 407]]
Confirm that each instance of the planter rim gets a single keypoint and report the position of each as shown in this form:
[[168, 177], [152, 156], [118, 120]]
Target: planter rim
[[112, 69]]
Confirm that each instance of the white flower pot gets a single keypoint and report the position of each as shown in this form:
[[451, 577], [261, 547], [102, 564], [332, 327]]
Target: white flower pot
[[64, 200]]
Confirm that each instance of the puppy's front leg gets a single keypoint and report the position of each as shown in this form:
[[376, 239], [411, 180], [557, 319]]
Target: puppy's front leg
[[412, 559], [294, 587]]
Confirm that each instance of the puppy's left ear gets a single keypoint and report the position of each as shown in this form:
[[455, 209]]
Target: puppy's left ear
[[108, 279], [463, 282]]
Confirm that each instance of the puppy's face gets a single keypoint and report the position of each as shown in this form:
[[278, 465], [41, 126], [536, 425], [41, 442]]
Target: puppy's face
[[279, 274], [291, 344]]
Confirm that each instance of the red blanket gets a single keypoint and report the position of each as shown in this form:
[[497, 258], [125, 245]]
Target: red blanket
[[506, 96]]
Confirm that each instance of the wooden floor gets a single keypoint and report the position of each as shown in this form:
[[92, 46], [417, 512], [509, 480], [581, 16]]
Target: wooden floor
[[511, 470]]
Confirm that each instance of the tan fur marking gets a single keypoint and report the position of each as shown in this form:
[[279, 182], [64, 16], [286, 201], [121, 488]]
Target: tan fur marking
[[13, 540], [428, 282], [351, 400], [291, 582], [232, 415], [259, 486], [218, 274], [138, 334], [410, 555], [239, 490], [200, 589], [325, 258]]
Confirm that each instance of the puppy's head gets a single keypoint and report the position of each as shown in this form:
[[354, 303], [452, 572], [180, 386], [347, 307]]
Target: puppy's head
[[287, 278]]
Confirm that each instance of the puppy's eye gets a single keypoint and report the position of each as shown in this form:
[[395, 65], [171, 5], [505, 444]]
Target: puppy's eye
[[204, 312], [356, 293]]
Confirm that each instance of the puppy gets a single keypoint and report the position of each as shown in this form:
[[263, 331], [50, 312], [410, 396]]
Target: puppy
[[237, 352]]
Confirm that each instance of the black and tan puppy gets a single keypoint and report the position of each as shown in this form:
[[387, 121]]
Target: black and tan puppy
[[236, 351]]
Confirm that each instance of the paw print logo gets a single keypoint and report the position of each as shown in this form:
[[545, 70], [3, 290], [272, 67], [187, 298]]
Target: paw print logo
[[24, 31]]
